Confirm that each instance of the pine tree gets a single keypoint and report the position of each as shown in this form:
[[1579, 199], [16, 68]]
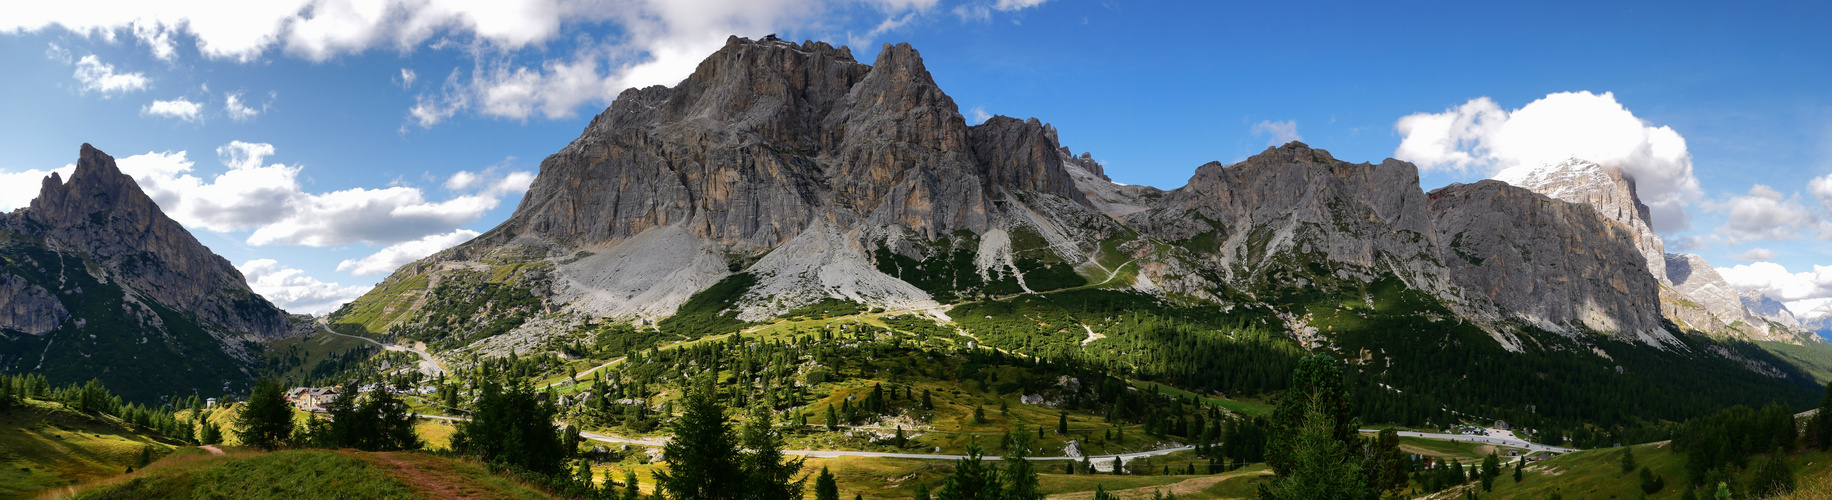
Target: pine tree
[[513, 426], [1628, 459], [825, 488], [926, 403], [979, 414], [1491, 468], [1520, 466], [971, 479], [1020, 476], [1313, 434], [584, 475], [1062, 423], [833, 420], [772, 477], [1384, 466], [265, 422], [1119, 466], [1819, 431], [1773, 477], [209, 434], [703, 459], [922, 492], [631, 491]]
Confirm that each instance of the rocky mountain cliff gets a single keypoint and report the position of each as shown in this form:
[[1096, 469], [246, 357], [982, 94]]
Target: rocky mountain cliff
[[1692, 295], [99, 282], [783, 175]]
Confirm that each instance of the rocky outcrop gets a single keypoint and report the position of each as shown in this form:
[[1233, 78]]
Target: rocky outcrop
[[1768, 308], [29, 308], [1693, 296], [103, 213], [1697, 280], [812, 173], [1550, 263], [107, 287], [793, 162], [1295, 202], [1603, 188]]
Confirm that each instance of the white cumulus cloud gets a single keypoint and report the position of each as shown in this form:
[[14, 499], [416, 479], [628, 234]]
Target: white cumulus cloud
[[295, 291], [268, 200], [98, 76], [1277, 133], [399, 254], [655, 41], [1821, 189], [179, 109], [1481, 137], [17, 189], [1766, 214], [238, 110], [1754, 254], [1803, 292]]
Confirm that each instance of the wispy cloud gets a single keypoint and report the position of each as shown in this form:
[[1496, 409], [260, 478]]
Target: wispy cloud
[[1277, 133], [180, 109], [101, 77]]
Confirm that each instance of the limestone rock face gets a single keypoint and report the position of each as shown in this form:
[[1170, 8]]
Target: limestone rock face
[[1603, 188], [1695, 278], [1293, 200], [103, 213], [29, 308], [819, 176], [794, 162], [1551, 263], [1693, 295], [1768, 308], [98, 283]]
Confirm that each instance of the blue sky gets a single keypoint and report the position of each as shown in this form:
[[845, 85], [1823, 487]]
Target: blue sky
[[342, 167]]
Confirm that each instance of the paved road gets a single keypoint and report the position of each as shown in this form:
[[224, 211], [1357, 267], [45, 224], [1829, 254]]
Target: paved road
[[428, 364], [1099, 461], [1517, 443]]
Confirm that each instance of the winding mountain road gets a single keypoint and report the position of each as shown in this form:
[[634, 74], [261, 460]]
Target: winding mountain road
[[1494, 440], [1098, 461], [428, 364]]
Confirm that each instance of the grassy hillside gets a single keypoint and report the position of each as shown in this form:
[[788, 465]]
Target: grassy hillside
[[311, 474], [45, 445], [149, 351], [1598, 474]]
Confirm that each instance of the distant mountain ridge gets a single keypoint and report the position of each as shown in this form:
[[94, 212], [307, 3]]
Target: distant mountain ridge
[[1692, 294], [781, 175], [98, 282]]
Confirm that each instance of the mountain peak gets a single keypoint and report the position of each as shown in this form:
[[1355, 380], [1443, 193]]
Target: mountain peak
[[1602, 187], [102, 211]]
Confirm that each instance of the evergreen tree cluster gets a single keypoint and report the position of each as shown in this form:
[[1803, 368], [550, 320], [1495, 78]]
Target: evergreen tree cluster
[[91, 397]]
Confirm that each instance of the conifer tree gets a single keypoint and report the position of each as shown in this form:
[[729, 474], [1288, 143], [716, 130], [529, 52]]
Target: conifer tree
[[1520, 466], [1491, 468], [971, 479], [771, 477], [1773, 477], [824, 486], [703, 461], [1020, 476], [1628, 459], [1062, 423], [265, 421], [631, 491], [1819, 430]]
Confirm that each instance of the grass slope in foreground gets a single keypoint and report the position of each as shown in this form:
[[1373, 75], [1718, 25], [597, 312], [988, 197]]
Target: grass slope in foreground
[[45, 445], [312, 474]]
